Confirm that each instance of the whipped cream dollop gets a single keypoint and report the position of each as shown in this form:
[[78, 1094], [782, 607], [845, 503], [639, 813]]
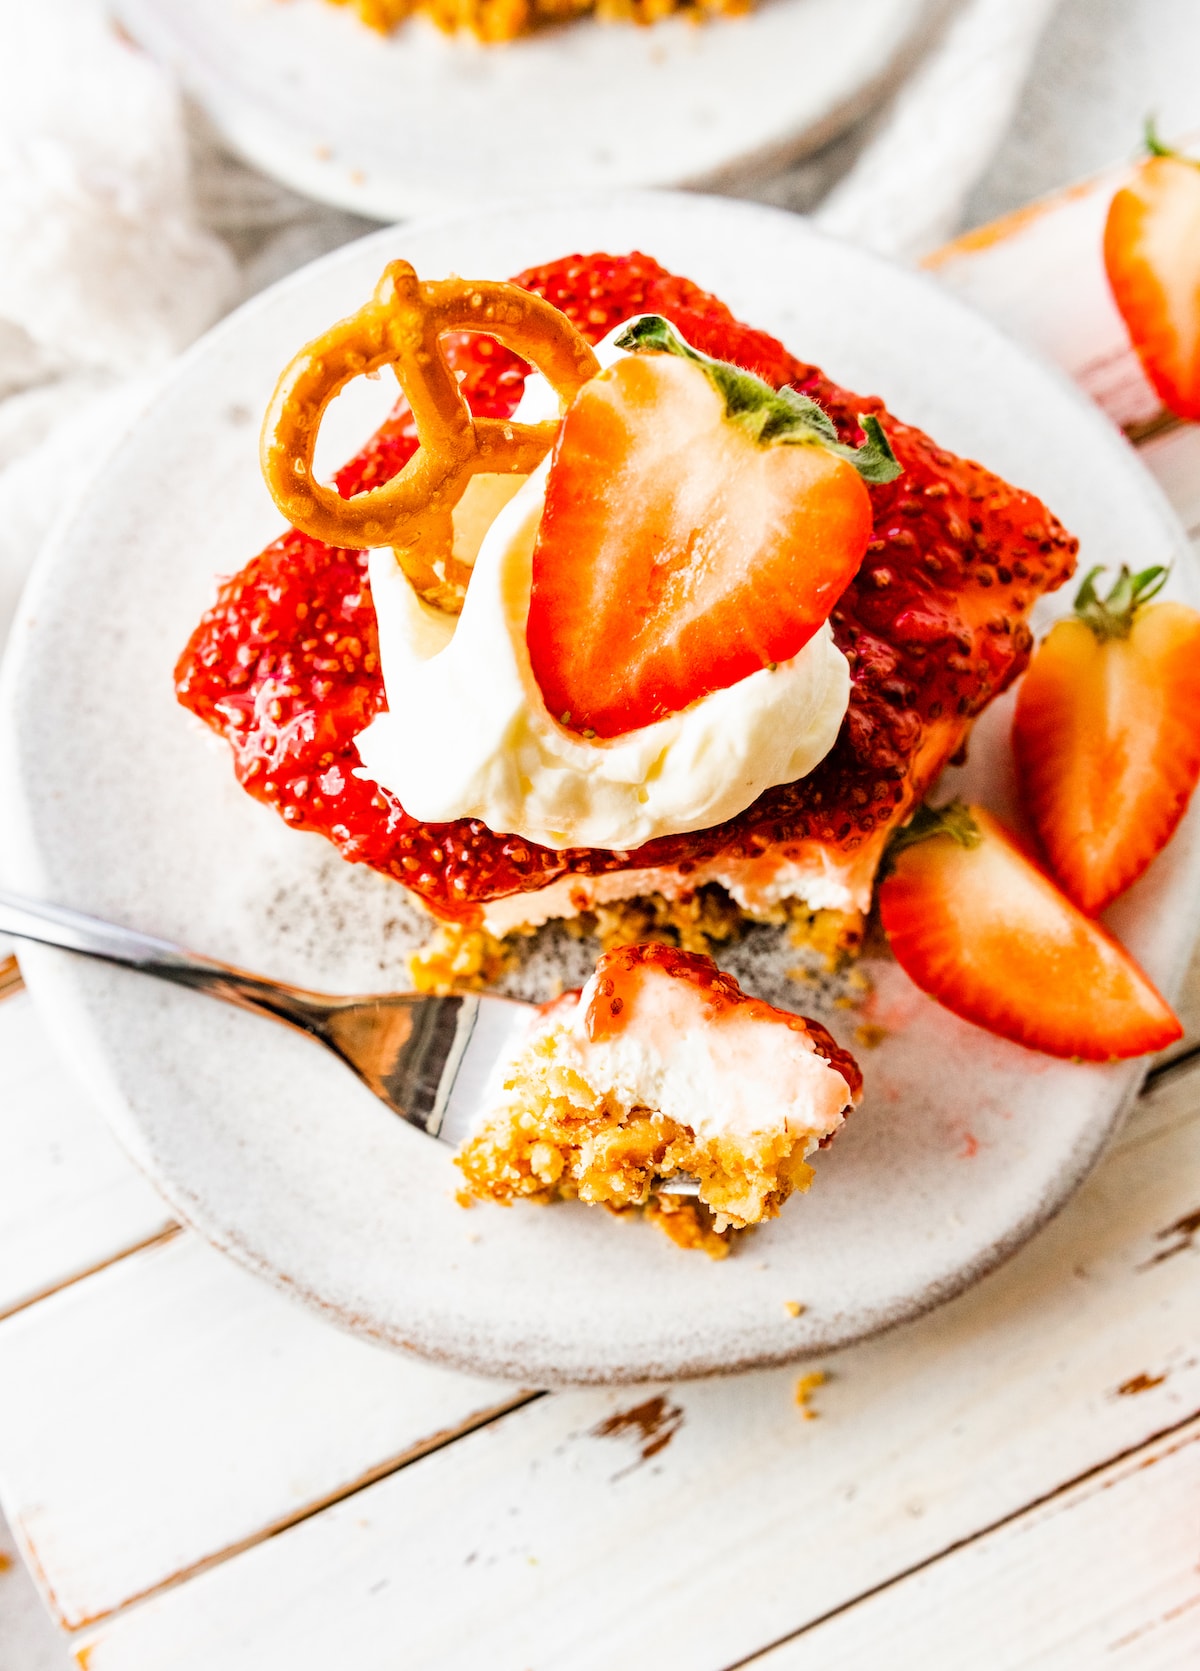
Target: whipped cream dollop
[[467, 733]]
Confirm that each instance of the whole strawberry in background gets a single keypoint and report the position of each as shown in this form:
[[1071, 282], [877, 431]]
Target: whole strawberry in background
[[1106, 734], [1152, 255]]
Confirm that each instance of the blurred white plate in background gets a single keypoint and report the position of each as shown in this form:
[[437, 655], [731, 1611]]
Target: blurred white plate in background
[[417, 122]]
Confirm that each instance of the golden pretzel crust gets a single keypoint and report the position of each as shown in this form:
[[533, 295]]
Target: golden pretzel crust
[[402, 326]]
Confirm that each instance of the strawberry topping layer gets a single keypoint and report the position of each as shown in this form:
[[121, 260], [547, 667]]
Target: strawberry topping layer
[[285, 664]]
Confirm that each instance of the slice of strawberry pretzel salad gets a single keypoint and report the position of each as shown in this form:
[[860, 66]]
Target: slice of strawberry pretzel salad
[[716, 643], [626, 616]]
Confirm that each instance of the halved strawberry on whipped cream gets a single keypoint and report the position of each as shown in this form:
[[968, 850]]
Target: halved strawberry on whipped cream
[[644, 647]]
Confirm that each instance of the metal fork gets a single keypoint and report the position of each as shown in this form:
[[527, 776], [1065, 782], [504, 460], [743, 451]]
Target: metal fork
[[429, 1059]]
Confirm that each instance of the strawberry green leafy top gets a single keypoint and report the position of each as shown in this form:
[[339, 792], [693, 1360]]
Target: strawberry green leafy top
[[772, 416], [1113, 616], [953, 820]]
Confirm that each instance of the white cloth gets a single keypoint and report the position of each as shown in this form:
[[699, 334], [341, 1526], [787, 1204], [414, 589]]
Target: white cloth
[[907, 190], [105, 272], [126, 230], [105, 265]]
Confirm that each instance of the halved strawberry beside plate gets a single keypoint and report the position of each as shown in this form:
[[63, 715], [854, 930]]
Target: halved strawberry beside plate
[[1106, 734], [699, 525], [1152, 255], [978, 925]]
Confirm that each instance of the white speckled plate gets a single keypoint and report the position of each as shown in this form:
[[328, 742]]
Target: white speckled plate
[[124, 806], [416, 122]]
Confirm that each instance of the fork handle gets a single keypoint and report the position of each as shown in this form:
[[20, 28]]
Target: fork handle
[[75, 931]]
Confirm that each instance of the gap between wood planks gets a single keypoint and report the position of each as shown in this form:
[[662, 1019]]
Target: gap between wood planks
[[1143, 1449], [157, 1240], [1140, 1456], [285, 1523]]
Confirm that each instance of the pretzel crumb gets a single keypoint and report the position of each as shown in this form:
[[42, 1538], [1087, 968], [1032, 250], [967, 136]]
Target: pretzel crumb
[[806, 1386]]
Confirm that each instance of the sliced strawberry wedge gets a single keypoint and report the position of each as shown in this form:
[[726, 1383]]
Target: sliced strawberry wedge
[[1152, 255], [980, 927], [1106, 734], [699, 526]]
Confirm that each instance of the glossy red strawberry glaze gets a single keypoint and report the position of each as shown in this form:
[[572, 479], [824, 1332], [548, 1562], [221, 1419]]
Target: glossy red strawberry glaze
[[619, 979], [285, 664]]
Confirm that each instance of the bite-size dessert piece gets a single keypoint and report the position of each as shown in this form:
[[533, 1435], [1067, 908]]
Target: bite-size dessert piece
[[797, 633], [661, 1066]]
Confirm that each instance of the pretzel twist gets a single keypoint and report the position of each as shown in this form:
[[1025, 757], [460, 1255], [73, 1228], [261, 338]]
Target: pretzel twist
[[402, 326]]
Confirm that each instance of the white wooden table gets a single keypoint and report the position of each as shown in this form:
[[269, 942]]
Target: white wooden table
[[204, 1477]]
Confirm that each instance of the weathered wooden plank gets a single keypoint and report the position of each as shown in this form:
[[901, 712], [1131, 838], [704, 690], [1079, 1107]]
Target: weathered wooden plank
[[712, 1514], [172, 1406], [1105, 1573], [70, 1200]]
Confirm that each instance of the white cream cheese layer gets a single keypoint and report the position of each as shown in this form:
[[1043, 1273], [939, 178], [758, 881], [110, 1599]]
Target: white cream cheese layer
[[732, 1077], [467, 734]]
